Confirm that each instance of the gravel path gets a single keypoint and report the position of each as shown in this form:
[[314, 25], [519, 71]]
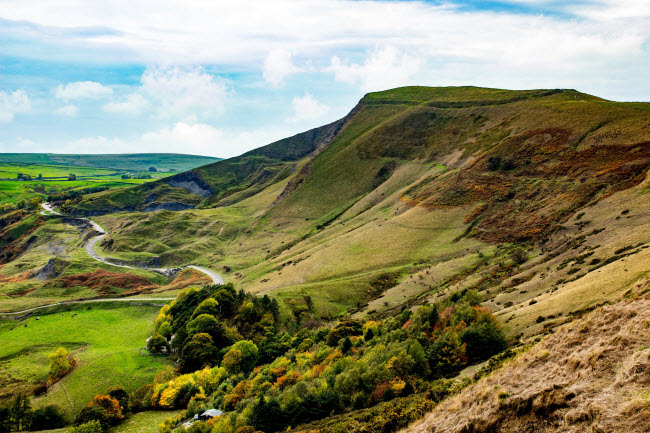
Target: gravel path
[[90, 250]]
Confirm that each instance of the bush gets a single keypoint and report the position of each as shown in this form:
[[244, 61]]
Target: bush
[[89, 427], [519, 256], [47, 418], [59, 364]]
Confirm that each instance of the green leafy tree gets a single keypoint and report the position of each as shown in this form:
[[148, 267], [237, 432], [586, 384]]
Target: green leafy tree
[[207, 324], [165, 329], [209, 306], [483, 338], [232, 361], [198, 352], [421, 364], [447, 354], [59, 364], [401, 365], [250, 354], [20, 412], [157, 344], [47, 418]]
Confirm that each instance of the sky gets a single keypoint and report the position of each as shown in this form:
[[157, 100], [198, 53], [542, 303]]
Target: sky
[[219, 78]]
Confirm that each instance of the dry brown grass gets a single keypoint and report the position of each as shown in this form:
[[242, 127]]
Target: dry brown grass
[[592, 375]]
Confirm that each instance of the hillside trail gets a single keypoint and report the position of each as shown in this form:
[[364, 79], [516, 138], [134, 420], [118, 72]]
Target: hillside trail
[[101, 233], [85, 301]]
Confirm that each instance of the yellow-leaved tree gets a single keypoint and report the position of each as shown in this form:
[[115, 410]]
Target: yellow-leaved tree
[[60, 364]]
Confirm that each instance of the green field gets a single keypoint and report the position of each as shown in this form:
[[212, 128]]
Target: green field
[[105, 338], [134, 161], [55, 180], [144, 422]]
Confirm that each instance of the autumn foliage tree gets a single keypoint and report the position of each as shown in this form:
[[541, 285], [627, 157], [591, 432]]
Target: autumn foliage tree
[[60, 364]]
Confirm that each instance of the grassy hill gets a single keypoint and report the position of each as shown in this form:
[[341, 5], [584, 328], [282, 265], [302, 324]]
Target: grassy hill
[[536, 200], [131, 161], [417, 193]]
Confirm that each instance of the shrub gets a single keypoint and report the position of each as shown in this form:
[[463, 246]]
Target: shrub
[[89, 427], [47, 418], [59, 364], [519, 256]]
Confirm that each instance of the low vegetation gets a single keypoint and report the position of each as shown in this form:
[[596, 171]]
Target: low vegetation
[[232, 354]]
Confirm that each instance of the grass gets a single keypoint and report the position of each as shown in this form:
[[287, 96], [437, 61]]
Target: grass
[[134, 161], [143, 422], [105, 338]]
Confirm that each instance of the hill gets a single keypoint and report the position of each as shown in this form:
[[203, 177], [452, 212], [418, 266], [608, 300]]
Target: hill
[[416, 194], [131, 161], [590, 376], [442, 215]]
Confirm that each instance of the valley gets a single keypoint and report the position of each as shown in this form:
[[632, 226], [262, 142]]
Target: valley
[[485, 236]]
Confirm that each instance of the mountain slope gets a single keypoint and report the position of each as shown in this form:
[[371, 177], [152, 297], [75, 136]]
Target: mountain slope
[[590, 376], [417, 193]]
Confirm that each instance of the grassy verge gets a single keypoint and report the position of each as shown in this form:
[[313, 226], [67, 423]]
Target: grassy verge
[[105, 338]]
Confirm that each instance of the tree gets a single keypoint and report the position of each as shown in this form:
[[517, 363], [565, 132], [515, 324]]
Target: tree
[[447, 354], [421, 364], [20, 412], [92, 413], [346, 345], [111, 405], [519, 256], [209, 306], [483, 337], [250, 354], [232, 361], [59, 364], [198, 352], [157, 344], [166, 329], [153, 169], [47, 418], [120, 394], [72, 176], [401, 365], [207, 324], [5, 420], [344, 329]]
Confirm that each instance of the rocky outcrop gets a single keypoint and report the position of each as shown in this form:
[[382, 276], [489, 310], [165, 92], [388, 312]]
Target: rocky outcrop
[[191, 182]]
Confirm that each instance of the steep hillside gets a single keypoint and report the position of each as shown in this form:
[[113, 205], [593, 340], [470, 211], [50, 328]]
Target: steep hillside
[[590, 376], [417, 194]]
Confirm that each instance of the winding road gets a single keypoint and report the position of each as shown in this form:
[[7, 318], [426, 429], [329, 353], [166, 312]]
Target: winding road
[[90, 249]]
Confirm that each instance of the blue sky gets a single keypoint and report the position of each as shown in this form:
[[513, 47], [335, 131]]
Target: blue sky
[[222, 77]]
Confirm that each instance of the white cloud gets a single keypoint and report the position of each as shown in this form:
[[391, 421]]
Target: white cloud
[[12, 103], [184, 93], [307, 108], [383, 69], [82, 90], [278, 65], [133, 104], [196, 138], [67, 110]]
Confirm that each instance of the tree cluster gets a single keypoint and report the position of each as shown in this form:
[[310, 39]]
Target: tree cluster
[[18, 415], [353, 365]]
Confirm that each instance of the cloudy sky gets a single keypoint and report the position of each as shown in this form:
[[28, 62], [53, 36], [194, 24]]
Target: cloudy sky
[[222, 77]]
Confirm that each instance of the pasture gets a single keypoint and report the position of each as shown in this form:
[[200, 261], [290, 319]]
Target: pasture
[[105, 338]]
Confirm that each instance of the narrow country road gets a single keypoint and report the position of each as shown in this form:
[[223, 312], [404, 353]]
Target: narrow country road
[[90, 250]]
